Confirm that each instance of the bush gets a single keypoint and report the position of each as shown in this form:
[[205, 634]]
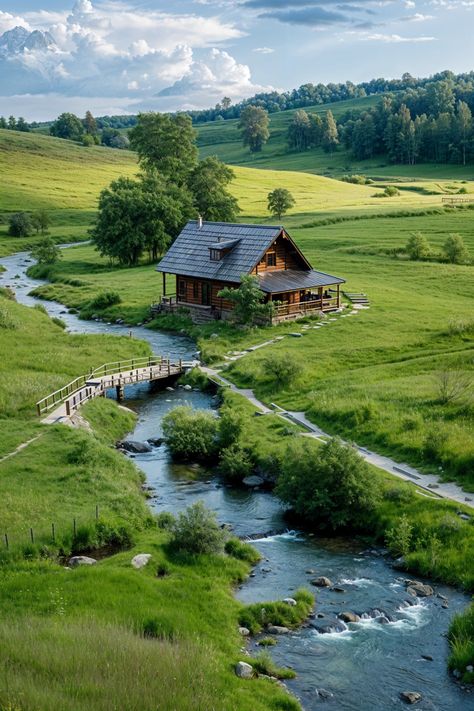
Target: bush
[[417, 246], [264, 664], [19, 225], [235, 463], [105, 299], [461, 639], [399, 539], [281, 369], [165, 521], [196, 531], [230, 426], [191, 434], [435, 443], [402, 494], [329, 487], [46, 252], [455, 250]]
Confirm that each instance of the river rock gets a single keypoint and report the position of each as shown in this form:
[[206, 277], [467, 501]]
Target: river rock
[[324, 693], [155, 441], [290, 601], [243, 670], [187, 387], [135, 447], [427, 657], [328, 626], [140, 560], [78, 560], [411, 697], [348, 616], [470, 668], [244, 631], [399, 563], [321, 582], [277, 629], [253, 480], [416, 588]]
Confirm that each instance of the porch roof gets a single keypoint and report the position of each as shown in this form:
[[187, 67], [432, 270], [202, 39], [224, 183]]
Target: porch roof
[[292, 280]]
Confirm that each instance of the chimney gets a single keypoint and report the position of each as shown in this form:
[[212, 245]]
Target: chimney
[[199, 222]]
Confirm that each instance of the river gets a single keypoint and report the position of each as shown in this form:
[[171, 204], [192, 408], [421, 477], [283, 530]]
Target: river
[[363, 667]]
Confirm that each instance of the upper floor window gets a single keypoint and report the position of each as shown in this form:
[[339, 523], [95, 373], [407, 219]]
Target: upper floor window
[[271, 259], [216, 255]]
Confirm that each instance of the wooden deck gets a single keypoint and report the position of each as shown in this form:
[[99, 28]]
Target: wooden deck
[[303, 308], [63, 403]]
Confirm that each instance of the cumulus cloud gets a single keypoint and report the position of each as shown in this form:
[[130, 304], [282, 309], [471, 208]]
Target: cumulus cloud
[[394, 38], [263, 50], [117, 50], [417, 17]]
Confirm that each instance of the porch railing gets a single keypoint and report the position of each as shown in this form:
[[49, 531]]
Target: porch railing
[[306, 306]]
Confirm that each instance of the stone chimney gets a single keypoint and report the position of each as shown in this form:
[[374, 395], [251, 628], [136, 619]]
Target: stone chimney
[[199, 222]]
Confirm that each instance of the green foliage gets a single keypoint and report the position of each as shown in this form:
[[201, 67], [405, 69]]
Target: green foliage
[[330, 137], [165, 520], [261, 614], [242, 551], [230, 425], [461, 640], [7, 317], [104, 300], [417, 246], [208, 183], [264, 664], [249, 308], [46, 252], [267, 642], [253, 126], [19, 225], [399, 539], [235, 463], [165, 143], [280, 370], [455, 250], [331, 487], [40, 221], [191, 434], [280, 201], [197, 532], [68, 126]]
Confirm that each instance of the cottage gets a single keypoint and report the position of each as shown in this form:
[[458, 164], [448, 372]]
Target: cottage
[[208, 256]]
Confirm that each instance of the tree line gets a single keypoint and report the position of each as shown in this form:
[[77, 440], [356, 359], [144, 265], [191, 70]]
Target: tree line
[[14, 124], [429, 123]]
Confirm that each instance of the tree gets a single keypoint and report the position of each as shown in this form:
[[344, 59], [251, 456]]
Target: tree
[[464, 128], [67, 126], [299, 131], [226, 103], [280, 201], [108, 134], [417, 246], [40, 221], [207, 183], [3, 122], [90, 124], [121, 142], [248, 301], [12, 123], [330, 139], [21, 125], [139, 215], [253, 126], [455, 249], [167, 144], [19, 225], [331, 487], [46, 252]]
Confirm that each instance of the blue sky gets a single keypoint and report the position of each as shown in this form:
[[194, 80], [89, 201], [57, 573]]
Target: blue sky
[[120, 56]]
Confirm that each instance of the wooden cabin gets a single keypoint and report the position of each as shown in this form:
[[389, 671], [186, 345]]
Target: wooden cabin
[[208, 256]]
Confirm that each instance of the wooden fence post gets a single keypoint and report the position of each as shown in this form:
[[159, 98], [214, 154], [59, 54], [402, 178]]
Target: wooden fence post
[[32, 535], [53, 533], [74, 528], [97, 512], [6, 541]]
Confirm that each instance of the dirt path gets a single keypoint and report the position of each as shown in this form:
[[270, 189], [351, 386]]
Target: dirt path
[[20, 447]]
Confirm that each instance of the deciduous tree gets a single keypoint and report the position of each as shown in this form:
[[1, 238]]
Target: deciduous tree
[[279, 201], [208, 184], [253, 126]]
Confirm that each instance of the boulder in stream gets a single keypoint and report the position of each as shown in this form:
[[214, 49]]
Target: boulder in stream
[[253, 480], [411, 697], [136, 447], [244, 670], [418, 589], [348, 616], [277, 629], [321, 582]]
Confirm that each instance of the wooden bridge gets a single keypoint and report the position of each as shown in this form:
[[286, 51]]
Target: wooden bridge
[[65, 401]]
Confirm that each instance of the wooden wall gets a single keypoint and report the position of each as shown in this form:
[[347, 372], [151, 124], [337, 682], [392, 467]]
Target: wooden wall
[[193, 292], [286, 257]]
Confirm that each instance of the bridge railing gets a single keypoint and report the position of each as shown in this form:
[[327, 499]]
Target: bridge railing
[[116, 368]]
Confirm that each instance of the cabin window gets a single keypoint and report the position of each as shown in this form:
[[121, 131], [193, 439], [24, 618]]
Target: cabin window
[[216, 255], [195, 290], [181, 287], [271, 259]]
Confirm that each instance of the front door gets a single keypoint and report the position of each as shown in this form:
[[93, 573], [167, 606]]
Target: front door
[[206, 294]]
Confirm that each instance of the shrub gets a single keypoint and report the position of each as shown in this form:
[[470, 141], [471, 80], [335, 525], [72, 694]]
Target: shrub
[[401, 494], [391, 191], [399, 539], [455, 250], [155, 628], [7, 293], [230, 426], [165, 521], [329, 487], [19, 225], [267, 642], [196, 531], [435, 443], [46, 252], [7, 319], [105, 299], [260, 614], [249, 308], [461, 639], [191, 434], [197, 379], [242, 551], [264, 664], [235, 463], [281, 369], [417, 246]]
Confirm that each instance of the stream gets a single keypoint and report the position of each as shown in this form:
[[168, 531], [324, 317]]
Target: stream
[[362, 666]]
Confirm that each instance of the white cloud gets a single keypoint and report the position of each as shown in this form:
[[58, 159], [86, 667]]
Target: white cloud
[[417, 17], [263, 50], [9, 21], [393, 38]]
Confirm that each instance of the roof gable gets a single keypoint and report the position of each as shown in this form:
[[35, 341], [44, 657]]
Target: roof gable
[[189, 253]]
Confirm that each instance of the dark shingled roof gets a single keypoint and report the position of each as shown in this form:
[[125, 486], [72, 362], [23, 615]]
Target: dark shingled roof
[[189, 253], [292, 279]]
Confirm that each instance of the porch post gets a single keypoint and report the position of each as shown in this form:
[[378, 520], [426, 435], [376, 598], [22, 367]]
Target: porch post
[[338, 296], [164, 283]]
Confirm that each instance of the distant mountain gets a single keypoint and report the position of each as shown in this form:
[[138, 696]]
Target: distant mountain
[[19, 39]]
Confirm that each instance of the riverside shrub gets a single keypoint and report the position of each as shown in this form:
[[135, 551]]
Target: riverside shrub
[[196, 531], [191, 434], [329, 487]]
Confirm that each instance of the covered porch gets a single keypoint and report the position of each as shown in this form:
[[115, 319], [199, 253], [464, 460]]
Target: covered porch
[[297, 293]]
